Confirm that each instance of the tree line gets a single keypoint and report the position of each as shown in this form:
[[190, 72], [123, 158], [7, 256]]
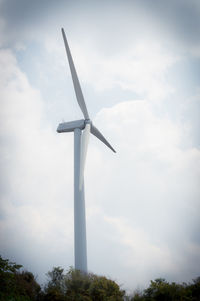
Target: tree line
[[20, 285]]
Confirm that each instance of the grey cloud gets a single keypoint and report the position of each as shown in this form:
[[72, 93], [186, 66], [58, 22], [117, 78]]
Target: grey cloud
[[174, 21], [181, 18], [22, 12]]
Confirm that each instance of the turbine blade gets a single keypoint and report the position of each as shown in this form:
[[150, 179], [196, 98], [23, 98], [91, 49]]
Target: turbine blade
[[97, 133], [84, 147], [77, 87]]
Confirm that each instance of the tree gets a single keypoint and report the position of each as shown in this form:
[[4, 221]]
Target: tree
[[77, 286], [161, 290], [7, 277], [55, 288], [102, 288], [193, 290], [16, 285], [26, 285]]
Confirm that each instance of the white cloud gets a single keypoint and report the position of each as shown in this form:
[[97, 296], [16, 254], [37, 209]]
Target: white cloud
[[142, 68], [35, 171], [150, 190], [142, 255]]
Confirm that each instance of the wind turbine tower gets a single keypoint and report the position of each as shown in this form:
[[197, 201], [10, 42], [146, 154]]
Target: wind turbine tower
[[82, 129]]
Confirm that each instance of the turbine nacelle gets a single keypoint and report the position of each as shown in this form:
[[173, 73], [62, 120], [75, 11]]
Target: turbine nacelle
[[71, 126]]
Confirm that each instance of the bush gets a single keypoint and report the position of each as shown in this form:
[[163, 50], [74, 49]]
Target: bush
[[161, 290], [16, 285], [78, 286]]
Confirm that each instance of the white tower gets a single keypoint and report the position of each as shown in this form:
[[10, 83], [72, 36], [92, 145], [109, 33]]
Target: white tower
[[82, 129]]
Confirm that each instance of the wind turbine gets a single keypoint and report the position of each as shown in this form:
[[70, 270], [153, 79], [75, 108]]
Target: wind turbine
[[82, 129]]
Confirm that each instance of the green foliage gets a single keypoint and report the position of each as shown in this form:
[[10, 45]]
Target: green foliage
[[105, 289], [161, 290], [193, 290], [6, 266], [15, 285], [56, 282], [55, 289], [26, 285], [78, 286], [7, 277]]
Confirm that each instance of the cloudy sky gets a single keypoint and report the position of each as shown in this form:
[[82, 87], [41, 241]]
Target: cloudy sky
[[139, 66]]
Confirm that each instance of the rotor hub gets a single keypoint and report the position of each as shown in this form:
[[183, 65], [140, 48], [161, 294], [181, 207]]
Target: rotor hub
[[88, 121]]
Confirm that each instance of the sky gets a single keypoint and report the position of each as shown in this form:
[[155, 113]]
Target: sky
[[139, 67]]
